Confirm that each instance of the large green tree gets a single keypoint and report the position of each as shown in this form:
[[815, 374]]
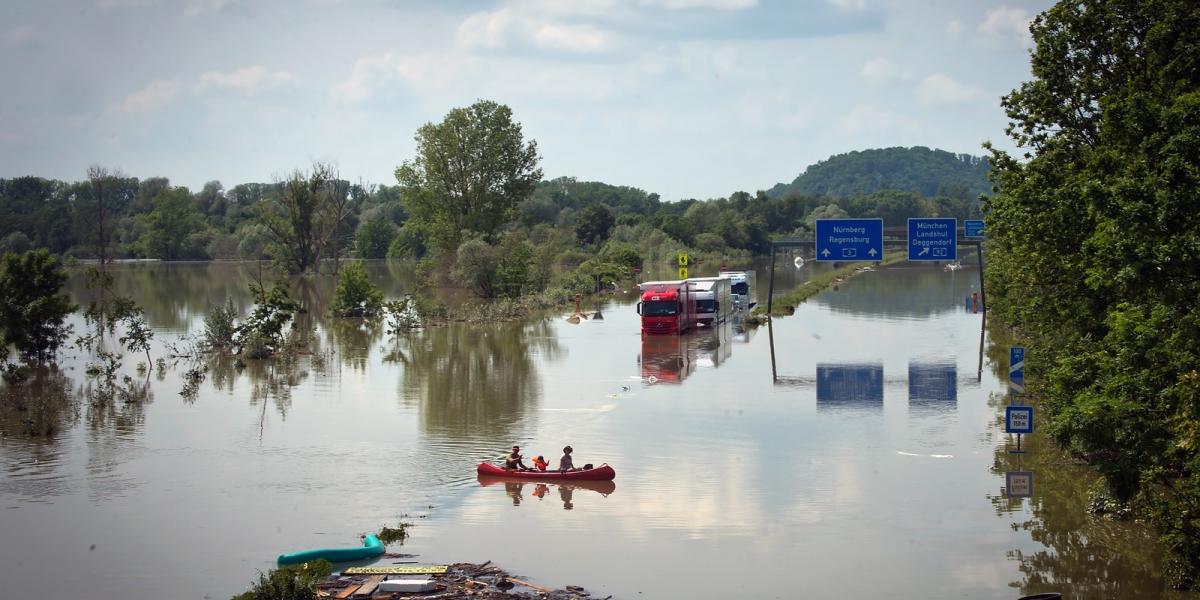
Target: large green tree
[[1096, 241], [32, 306], [174, 218], [469, 174]]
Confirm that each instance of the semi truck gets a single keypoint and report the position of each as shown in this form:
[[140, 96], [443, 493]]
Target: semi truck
[[667, 307], [743, 289], [714, 299]]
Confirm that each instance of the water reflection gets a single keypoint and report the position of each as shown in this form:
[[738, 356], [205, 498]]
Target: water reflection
[[908, 292], [850, 386], [1092, 558], [514, 489], [932, 386], [474, 382], [665, 359], [354, 339]]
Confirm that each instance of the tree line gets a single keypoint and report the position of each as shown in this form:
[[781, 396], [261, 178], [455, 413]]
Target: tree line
[[1094, 246]]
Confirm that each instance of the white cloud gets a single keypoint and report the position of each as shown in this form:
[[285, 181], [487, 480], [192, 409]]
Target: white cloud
[[250, 80], [507, 28], [199, 7], [954, 29], [869, 119], [878, 71], [849, 4], [111, 4], [1007, 23], [368, 72], [19, 36], [943, 89], [151, 97], [686, 4]]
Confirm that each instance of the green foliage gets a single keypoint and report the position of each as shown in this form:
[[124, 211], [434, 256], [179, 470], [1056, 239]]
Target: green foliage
[[1094, 244], [475, 267], [918, 169], [261, 334], [593, 223], [294, 582], [355, 295], [32, 309], [623, 254], [408, 243], [374, 237], [470, 173], [219, 327], [394, 535], [174, 218]]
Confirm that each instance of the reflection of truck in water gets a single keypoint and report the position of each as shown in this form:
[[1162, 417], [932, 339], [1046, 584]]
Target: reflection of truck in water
[[672, 358], [742, 283], [665, 359], [666, 307], [714, 300]]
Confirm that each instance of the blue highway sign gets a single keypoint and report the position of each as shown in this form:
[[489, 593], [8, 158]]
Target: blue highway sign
[[973, 228], [933, 239], [848, 240], [1018, 419], [1016, 362]]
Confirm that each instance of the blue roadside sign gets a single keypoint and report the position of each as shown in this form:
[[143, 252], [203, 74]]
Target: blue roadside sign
[[932, 239], [973, 228], [1018, 419], [1016, 362], [849, 240]]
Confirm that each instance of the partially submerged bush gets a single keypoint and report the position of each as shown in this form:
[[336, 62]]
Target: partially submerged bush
[[356, 296], [295, 582], [219, 327]]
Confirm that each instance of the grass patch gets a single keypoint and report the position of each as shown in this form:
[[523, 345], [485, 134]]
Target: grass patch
[[785, 304]]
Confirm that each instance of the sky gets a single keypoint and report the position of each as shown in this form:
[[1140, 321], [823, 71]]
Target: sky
[[685, 98]]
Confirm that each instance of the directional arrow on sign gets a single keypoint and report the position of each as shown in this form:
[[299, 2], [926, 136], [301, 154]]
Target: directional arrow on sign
[[825, 253], [923, 251], [872, 252]]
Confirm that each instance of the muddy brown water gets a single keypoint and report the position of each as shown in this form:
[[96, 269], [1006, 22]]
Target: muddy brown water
[[869, 463]]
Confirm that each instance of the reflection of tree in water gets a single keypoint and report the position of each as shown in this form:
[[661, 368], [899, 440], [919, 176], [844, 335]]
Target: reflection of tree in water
[[1087, 556], [41, 407], [473, 381], [354, 339]]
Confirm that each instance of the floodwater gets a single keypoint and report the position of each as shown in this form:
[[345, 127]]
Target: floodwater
[[852, 450]]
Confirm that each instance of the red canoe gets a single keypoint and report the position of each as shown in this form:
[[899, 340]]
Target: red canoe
[[600, 473]]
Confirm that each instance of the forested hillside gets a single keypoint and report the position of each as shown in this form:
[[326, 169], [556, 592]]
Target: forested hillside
[[918, 170]]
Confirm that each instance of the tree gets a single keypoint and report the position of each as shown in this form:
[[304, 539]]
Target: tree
[[100, 211], [304, 216], [1094, 244], [174, 218], [32, 309], [470, 173], [373, 237], [593, 223], [356, 296]]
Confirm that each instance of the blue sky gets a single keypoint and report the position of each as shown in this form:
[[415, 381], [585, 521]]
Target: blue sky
[[687, 98]]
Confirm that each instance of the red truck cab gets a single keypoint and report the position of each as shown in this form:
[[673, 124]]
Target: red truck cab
[[667, 307]]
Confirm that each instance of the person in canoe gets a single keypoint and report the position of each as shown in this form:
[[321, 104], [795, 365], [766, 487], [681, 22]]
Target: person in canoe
[[565, 464], [513, 460], [540, 463]]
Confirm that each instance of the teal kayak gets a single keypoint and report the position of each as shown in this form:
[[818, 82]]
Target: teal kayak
[[371, 548]]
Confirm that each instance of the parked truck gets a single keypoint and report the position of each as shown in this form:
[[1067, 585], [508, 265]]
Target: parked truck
[[667, 307], [743, 289], [714, 299]]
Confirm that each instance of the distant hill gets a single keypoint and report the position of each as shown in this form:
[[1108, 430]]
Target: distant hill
[[919, 170]]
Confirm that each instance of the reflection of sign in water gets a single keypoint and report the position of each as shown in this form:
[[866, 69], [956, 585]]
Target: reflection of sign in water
[[1019, 484], [849, 239], [933, 385], [1016, 362], [683, 272], [932, 239], [1018, 419], [849, 385]]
